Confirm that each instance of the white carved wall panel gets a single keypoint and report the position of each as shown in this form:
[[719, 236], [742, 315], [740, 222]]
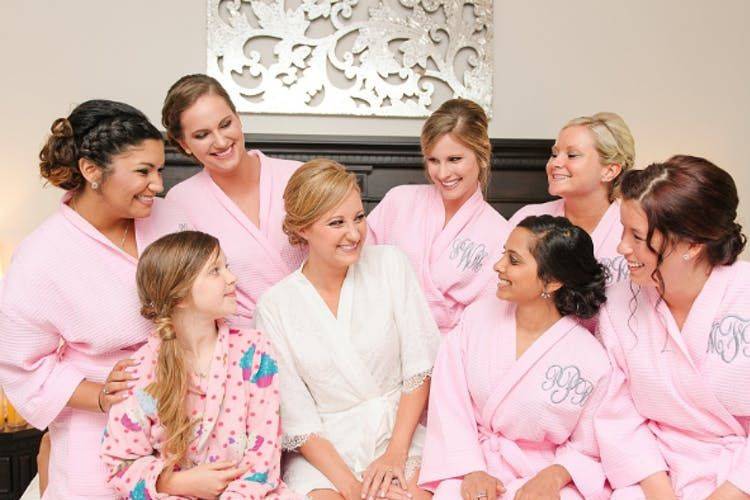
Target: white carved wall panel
[[351, 57]]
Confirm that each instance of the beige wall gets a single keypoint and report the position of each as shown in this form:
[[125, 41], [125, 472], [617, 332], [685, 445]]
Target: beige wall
[[677, 70]]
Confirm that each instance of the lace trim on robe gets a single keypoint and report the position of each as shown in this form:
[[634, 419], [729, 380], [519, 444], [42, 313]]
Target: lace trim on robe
[[411, 466], [291, 443], [412, 383]]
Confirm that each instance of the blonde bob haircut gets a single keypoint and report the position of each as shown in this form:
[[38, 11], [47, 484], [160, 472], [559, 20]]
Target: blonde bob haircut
[[466, 121], [613, 142], [315, 188]]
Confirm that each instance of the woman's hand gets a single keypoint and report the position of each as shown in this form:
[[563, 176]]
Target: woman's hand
[[546, 485], [389, 467], [728, 491], [352, 491], [119, 381], [202, 481], [658, 486], [481, 486]]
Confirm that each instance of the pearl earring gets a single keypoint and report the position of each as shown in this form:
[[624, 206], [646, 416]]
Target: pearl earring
[[94, 185], [686, 256]]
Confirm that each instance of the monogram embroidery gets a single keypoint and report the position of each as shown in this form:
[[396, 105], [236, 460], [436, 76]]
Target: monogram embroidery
[[566, 383], [729, 338], [470, 255], [617, 267]]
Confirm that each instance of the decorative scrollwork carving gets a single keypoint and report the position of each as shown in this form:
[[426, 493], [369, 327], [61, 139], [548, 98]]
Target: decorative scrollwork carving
[[400, 53]]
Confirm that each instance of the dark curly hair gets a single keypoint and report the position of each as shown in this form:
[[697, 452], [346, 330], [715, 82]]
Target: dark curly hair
[[565, 253], [690, 199], [96, 130]]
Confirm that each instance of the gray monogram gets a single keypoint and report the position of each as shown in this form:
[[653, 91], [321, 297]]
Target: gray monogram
[[470, 255], [729, 337], [563, 382], [617, 267]]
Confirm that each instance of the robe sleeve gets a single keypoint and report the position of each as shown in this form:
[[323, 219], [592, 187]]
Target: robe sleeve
[[262, 456], [418, 333], [628, 448], [127, 450], [35, 379], [451, 447], [739, 475], [299, 414], [452, 442], [580, 454]]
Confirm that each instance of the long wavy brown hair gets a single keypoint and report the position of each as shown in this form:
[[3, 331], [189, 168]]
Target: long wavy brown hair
[[166, 273]]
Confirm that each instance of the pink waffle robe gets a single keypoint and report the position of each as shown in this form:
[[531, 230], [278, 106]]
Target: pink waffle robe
[[69, 312], [678, 400], [605, 237], [234, 410], [453, 263], [509, 417], [258, 256]]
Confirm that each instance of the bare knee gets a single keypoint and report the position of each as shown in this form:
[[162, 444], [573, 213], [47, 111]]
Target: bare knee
[[42, 462]]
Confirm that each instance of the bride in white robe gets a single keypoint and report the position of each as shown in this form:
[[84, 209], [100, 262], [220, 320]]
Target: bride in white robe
[[356, 343]]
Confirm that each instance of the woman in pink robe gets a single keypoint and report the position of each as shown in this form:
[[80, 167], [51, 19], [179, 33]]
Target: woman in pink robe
[[237, 197], [69, 306], [515, 386], [584, 170], [451, 235], [195, 370], [675, 420]]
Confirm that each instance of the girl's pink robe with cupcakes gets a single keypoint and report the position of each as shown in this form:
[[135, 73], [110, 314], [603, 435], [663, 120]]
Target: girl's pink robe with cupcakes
[[235, 414]]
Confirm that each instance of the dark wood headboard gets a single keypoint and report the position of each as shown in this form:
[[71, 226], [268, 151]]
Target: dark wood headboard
[[518, 176]]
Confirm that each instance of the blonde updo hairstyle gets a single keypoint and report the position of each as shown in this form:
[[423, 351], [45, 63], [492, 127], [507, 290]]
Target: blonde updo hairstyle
[[165, 275], [315, 188], [613, 141], [183, 94], [96, 130], [467, 123]]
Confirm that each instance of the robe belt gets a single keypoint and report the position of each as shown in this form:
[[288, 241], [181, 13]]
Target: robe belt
[[370, 421], [727, 448], [500, 448]]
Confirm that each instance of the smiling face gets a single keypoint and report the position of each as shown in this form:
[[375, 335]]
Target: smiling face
[[133, 179], [212, 133], [336, 239], [213, 294], [517, 269], [642, 262], [454, 169], [574, 167]]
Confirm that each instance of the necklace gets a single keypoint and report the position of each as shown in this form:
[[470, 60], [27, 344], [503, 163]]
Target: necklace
[[127, 223]]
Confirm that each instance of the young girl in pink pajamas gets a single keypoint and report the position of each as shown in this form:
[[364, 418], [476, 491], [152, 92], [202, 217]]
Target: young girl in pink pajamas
[[203, 418]]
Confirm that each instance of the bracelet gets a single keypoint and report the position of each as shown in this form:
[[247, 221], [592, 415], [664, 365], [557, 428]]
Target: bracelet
[[99, 401]]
